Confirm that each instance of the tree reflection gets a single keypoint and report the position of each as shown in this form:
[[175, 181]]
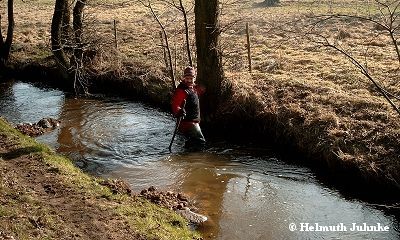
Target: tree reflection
[[206, 185], [72, 134]]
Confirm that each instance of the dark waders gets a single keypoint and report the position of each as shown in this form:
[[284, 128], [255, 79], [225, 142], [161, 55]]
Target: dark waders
[[194, 137]]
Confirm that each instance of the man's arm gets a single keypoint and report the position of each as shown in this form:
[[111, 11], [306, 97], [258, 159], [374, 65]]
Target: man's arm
[[177, 101], [200, 89]]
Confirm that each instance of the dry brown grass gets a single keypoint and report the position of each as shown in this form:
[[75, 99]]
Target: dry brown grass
[[319, 98]]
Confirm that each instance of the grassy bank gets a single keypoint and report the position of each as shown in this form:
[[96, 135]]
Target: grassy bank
[[299, 94], [43, 196]]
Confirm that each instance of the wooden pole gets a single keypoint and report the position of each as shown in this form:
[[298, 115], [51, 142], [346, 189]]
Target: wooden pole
[[115, 34], [164, 51], [176, 57], [248, 46]]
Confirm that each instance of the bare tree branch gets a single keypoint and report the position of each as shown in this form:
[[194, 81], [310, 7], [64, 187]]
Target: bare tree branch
[[171, 70], [364, 71], [182, 9], [312, 28]]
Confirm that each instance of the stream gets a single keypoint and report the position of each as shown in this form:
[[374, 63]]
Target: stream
[[246, 192]]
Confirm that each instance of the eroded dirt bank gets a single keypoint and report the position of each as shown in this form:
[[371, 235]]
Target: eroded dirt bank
[[43, 195]]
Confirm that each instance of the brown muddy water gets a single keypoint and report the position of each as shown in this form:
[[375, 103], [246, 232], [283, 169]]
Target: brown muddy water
[[246, 193]]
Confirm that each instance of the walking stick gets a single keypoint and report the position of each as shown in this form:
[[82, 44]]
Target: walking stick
[[178, 122]]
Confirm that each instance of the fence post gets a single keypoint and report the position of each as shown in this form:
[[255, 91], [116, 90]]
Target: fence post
[[164, 52], [248, 46], [115, 34]]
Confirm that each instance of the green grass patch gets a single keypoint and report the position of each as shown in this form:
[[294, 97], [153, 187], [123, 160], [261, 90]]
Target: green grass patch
[[148, 219], [4, 211]]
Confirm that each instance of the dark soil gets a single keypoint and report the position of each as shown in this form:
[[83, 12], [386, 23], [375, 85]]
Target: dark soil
[[37, 201], [34, 201]]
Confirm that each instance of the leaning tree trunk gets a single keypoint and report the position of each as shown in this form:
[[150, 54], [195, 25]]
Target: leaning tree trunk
[[79, 80], [56, 33], [66, 27], [209, 60], [5, 46]]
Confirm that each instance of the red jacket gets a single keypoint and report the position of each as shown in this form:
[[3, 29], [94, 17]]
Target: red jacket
[[181, 94]]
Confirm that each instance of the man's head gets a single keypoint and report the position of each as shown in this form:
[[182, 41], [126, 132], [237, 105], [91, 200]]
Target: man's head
[[189, 76]]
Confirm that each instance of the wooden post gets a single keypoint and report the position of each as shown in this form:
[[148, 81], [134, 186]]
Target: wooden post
[[115, 34], [164, 52], [176, 57], [248, 46]]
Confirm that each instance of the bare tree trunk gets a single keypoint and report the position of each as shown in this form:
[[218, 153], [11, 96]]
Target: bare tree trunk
[[66, 28], [78, 48], [56, 45], [5, 46], [78, 29], [209, 58]]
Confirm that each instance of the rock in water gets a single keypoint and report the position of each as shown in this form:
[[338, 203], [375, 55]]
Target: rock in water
[[48, 123], [192, 216], [39, 128], [44, 123]]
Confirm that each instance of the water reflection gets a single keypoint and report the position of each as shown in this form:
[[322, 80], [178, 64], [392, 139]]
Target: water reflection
[[71, 135], [24, 103], [205, 184], [247, 194], [252, 199]]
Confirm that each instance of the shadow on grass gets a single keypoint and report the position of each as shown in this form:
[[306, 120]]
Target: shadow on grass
[[20, 152]]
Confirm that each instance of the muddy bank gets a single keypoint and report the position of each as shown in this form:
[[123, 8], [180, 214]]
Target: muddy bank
[[178, 202], [44, 196], [278, 114]]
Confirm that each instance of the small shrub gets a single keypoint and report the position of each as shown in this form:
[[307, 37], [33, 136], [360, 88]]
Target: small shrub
[[269, 3], [342, 35]]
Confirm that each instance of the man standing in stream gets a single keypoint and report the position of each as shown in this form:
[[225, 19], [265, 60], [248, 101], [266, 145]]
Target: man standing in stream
[[186, 107]]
